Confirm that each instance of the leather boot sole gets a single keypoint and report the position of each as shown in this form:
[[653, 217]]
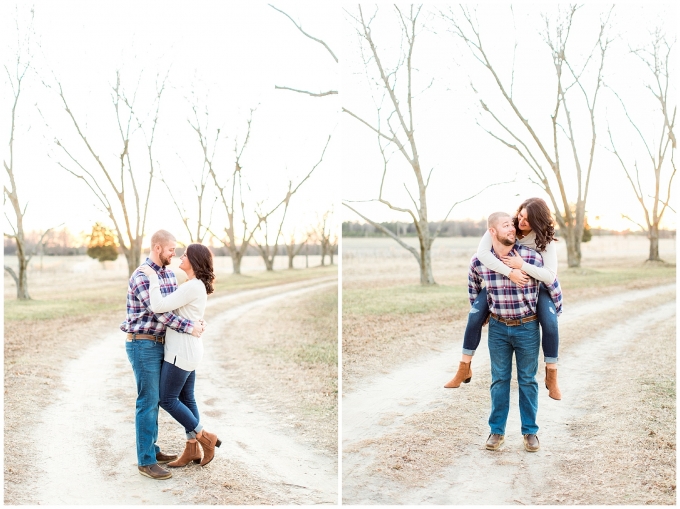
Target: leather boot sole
[[158, 478]]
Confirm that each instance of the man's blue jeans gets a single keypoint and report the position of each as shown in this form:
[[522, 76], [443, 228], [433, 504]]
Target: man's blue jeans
[[146, 358], [524, 340], [547, 317]]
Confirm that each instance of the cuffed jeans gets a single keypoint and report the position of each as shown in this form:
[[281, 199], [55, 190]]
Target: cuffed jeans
[[524, 341], [177, 397], [146, 358], [547, 317]]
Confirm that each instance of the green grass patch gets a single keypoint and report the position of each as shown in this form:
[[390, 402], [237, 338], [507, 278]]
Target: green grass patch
[[405, 299], [260, 279], [574, 279], [18, 310], [320, 315]]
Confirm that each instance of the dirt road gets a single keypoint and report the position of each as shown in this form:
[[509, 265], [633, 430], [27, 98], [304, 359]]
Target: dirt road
[[86, 437], [385, 408]]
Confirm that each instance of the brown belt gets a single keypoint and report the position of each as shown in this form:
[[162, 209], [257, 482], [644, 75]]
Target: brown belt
[[135, 337], [514, 322]]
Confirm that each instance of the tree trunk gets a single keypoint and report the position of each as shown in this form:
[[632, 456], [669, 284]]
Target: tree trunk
[[236, 262], [654, 244], [21, 281], [573, 247], [330, 254], [290, 261], [426, 277], [133, 255], [268, 262]]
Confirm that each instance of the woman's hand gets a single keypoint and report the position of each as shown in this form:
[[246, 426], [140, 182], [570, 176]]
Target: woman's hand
[[147, 270], [518, 277], [515, 261]]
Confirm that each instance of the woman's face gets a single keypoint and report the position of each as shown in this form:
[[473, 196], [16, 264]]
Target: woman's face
[[522, 221], [184, 262]]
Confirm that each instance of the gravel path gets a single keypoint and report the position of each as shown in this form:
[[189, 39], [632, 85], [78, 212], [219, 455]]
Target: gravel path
[[382, 404], [86, 436]]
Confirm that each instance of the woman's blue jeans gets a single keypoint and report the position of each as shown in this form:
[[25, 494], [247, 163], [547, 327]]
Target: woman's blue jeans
[[522, 340], [547, 317], [177, 397], [146, 358]]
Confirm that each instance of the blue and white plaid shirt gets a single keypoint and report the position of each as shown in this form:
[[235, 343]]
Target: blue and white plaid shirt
[[504, 297], [140, 320]]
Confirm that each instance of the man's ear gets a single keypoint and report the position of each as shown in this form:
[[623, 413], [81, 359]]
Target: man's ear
[[492, 231]]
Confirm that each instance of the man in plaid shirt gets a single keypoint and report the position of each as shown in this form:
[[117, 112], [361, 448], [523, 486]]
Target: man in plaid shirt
[[145, 339], [513, 327]]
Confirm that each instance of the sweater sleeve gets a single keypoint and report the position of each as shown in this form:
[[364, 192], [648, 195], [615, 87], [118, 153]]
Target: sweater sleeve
[[548, 272], [487, 258], [180, 297]]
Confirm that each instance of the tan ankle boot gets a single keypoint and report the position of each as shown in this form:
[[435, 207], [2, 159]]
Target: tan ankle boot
[[463, 375], [551, 383], [192, 452], [208, 442]]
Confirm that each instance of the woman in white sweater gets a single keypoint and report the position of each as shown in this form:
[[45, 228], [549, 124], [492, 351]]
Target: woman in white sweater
[[183, 352], [535, 229]]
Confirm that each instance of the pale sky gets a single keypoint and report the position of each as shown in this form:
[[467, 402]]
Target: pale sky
[[229, 54], [464, 157]]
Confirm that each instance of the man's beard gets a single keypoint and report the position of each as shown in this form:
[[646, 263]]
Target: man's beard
[[164, 260], [506, 241]]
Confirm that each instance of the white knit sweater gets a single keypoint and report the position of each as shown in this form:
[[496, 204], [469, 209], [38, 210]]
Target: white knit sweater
[[188, 301], [545, 274]]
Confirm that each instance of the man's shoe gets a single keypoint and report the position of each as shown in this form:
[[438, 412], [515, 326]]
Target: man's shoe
[[531, 443], [155, 472], [494, 442], [161, 457], [551, 383], [463, 375]]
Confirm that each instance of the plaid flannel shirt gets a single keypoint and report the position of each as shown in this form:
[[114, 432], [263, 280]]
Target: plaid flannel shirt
[[140, 320], [504, 297]]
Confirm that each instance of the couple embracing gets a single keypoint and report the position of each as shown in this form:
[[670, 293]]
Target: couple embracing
[[517, 263], [163, 330]]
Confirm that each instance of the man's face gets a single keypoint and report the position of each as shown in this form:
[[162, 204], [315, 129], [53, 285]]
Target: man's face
[[504, 231], [165, 252]]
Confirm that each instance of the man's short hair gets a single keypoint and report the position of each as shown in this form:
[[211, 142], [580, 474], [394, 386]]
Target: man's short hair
[[162, 238], [493, 219]]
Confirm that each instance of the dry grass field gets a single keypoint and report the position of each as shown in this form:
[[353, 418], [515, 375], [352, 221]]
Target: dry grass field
[[607, 455], [288, 352]]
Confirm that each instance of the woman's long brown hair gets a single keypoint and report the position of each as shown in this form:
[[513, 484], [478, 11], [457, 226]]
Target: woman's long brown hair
[[540, 219], [201, 261]]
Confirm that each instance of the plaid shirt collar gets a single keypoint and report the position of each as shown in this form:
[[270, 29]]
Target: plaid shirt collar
[[154, 266]]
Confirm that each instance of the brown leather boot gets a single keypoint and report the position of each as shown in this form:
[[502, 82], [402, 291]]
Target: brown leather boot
[[551, 383], [192, 452], [464, 375], [208, 442]]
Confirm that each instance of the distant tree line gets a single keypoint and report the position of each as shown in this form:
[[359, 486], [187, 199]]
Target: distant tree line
[[466, 228]]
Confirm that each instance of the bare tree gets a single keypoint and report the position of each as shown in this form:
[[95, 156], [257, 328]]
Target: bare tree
[[230, 192], [104, 178], [399, 131], [198, 180], [16, 76], [524, 139], [293, 248], [656, 59], [315, 39], [267, 251], [324, 233]]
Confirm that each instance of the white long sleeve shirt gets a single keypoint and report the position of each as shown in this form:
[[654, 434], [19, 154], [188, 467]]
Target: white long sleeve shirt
[[545, 274], [188, 301]]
